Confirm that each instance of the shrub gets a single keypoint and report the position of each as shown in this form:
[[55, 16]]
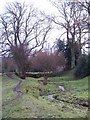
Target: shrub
[[82, 68], [47, 62]]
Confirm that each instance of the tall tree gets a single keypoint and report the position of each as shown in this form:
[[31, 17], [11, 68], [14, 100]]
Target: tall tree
[[23, 30], [72, 19], [85, 4]]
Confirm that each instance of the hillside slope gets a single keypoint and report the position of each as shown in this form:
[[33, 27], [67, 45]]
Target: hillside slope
[[35, 103]]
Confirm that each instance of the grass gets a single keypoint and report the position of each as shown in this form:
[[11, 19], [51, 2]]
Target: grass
[[36, 104]]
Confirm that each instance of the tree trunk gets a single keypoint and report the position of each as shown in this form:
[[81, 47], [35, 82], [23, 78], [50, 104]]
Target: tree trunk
[[23, 76], [45, 79], [73, 47], [73, 50], [21, 73], [73, 58], [89, 27], [68, 65]]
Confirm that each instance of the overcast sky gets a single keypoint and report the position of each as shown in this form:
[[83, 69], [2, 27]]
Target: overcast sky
[[41, 4]]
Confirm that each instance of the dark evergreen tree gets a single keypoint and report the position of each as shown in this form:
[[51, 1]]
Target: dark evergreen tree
[[60, 45], [66, 49]]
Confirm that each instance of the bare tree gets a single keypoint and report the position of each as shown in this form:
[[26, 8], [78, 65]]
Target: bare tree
[[23, 30], [72, 19], [85, 4]]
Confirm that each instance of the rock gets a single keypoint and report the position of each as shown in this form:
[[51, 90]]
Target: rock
[[50, 96], [61, 88]]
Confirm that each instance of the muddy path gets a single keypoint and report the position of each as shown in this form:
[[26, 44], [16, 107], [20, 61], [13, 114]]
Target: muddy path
[[65, 101], [16, 88]]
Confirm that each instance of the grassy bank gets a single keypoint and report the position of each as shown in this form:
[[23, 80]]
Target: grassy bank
[[34, 103]]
